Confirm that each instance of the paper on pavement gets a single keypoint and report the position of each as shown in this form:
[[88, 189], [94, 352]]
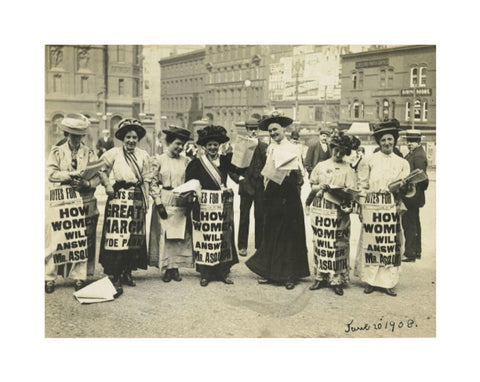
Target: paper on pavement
[[99, 291]]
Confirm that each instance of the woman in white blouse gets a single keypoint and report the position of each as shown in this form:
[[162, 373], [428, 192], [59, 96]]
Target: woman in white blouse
[[123, 247], [170, 245], [379, 257]]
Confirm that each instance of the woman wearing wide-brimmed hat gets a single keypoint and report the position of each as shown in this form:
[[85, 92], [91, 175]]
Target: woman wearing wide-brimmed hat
[[123, 248], [282, 256], [170, 249], [64, 166], [378, 259], [211, 170], [332, 265]]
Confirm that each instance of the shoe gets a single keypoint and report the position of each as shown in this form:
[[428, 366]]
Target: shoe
[[289, 285], [264, 281], [203, 282], [408, 259], [175, 275], [390, 292], [79, 284], [242, 251], [368, 289], [118, 286], [49, 286], [127, 279], [119, 292], [227, 280], [338, 290], [167, 277], [317, 285], [418, 256]]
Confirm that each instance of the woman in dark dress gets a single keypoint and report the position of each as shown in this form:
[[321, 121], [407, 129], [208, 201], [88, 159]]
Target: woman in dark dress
[[211, 170], [282, 256]]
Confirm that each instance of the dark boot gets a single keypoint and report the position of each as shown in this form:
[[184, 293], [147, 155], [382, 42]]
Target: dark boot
[[116, 280], [128, 279], [167, 277], [176, 275]]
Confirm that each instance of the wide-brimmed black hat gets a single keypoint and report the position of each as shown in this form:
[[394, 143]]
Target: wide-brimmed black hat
[[212, 133], [274, 118], [413, 135], [130, 124], [391, 126], [178, 132]]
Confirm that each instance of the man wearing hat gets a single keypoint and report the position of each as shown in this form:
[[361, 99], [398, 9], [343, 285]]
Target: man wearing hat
[[282, 256], [64, 166], [318, 151], [417, 159], [105, 143], [250, 189]]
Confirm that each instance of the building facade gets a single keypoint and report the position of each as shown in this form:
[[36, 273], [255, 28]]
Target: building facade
[[236, 83], [182, 88], [388, 83], [102, 82]]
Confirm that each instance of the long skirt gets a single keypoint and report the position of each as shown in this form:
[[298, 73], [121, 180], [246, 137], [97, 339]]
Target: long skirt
[[170, 243], [381, 242], [123, 247], [87, 229], [213, 234], [282, 256], [331, 242]]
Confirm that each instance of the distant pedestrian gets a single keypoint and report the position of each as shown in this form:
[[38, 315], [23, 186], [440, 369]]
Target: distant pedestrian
[[105, 143], [318, 151], [417, 159]]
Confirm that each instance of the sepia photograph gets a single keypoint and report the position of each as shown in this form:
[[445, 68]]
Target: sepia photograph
[[240, 191]]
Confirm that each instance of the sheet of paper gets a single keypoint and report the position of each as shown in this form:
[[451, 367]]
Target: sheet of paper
[[244, 147], [92, 169], [99, 291], [270, 172], [285, 160], [176, 222], [191, 185]]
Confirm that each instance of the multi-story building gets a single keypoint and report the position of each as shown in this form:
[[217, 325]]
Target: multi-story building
[[102, 82], [152, 54], [395, 82], [236, 83], [182, 88]]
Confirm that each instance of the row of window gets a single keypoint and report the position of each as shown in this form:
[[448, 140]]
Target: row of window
[[181, 103], [232, 52], [386, 110], [418, 78], [85, 88], [182, 85], [119, 54]]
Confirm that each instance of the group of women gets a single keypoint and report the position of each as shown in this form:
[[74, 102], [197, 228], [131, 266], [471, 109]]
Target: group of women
[[130, 177]]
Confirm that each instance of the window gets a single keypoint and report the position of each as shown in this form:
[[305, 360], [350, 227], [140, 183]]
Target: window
[[383, 83], [393, 109], [425, 110], [84, 85], [386, 109], [378, 110], [354, 80], [418, 76], [120, 54], [360, 80], [136, 87], [390, 78], [57, 83], [121, 87], [417, 111], [147, 84], [356, 109], [407, 111]]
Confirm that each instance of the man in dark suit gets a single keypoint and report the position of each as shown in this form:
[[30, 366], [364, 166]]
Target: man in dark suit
[[411, 218], [250, 189], [104, 144], [318, 151]]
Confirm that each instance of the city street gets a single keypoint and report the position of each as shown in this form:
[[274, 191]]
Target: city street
[[246, 309]]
